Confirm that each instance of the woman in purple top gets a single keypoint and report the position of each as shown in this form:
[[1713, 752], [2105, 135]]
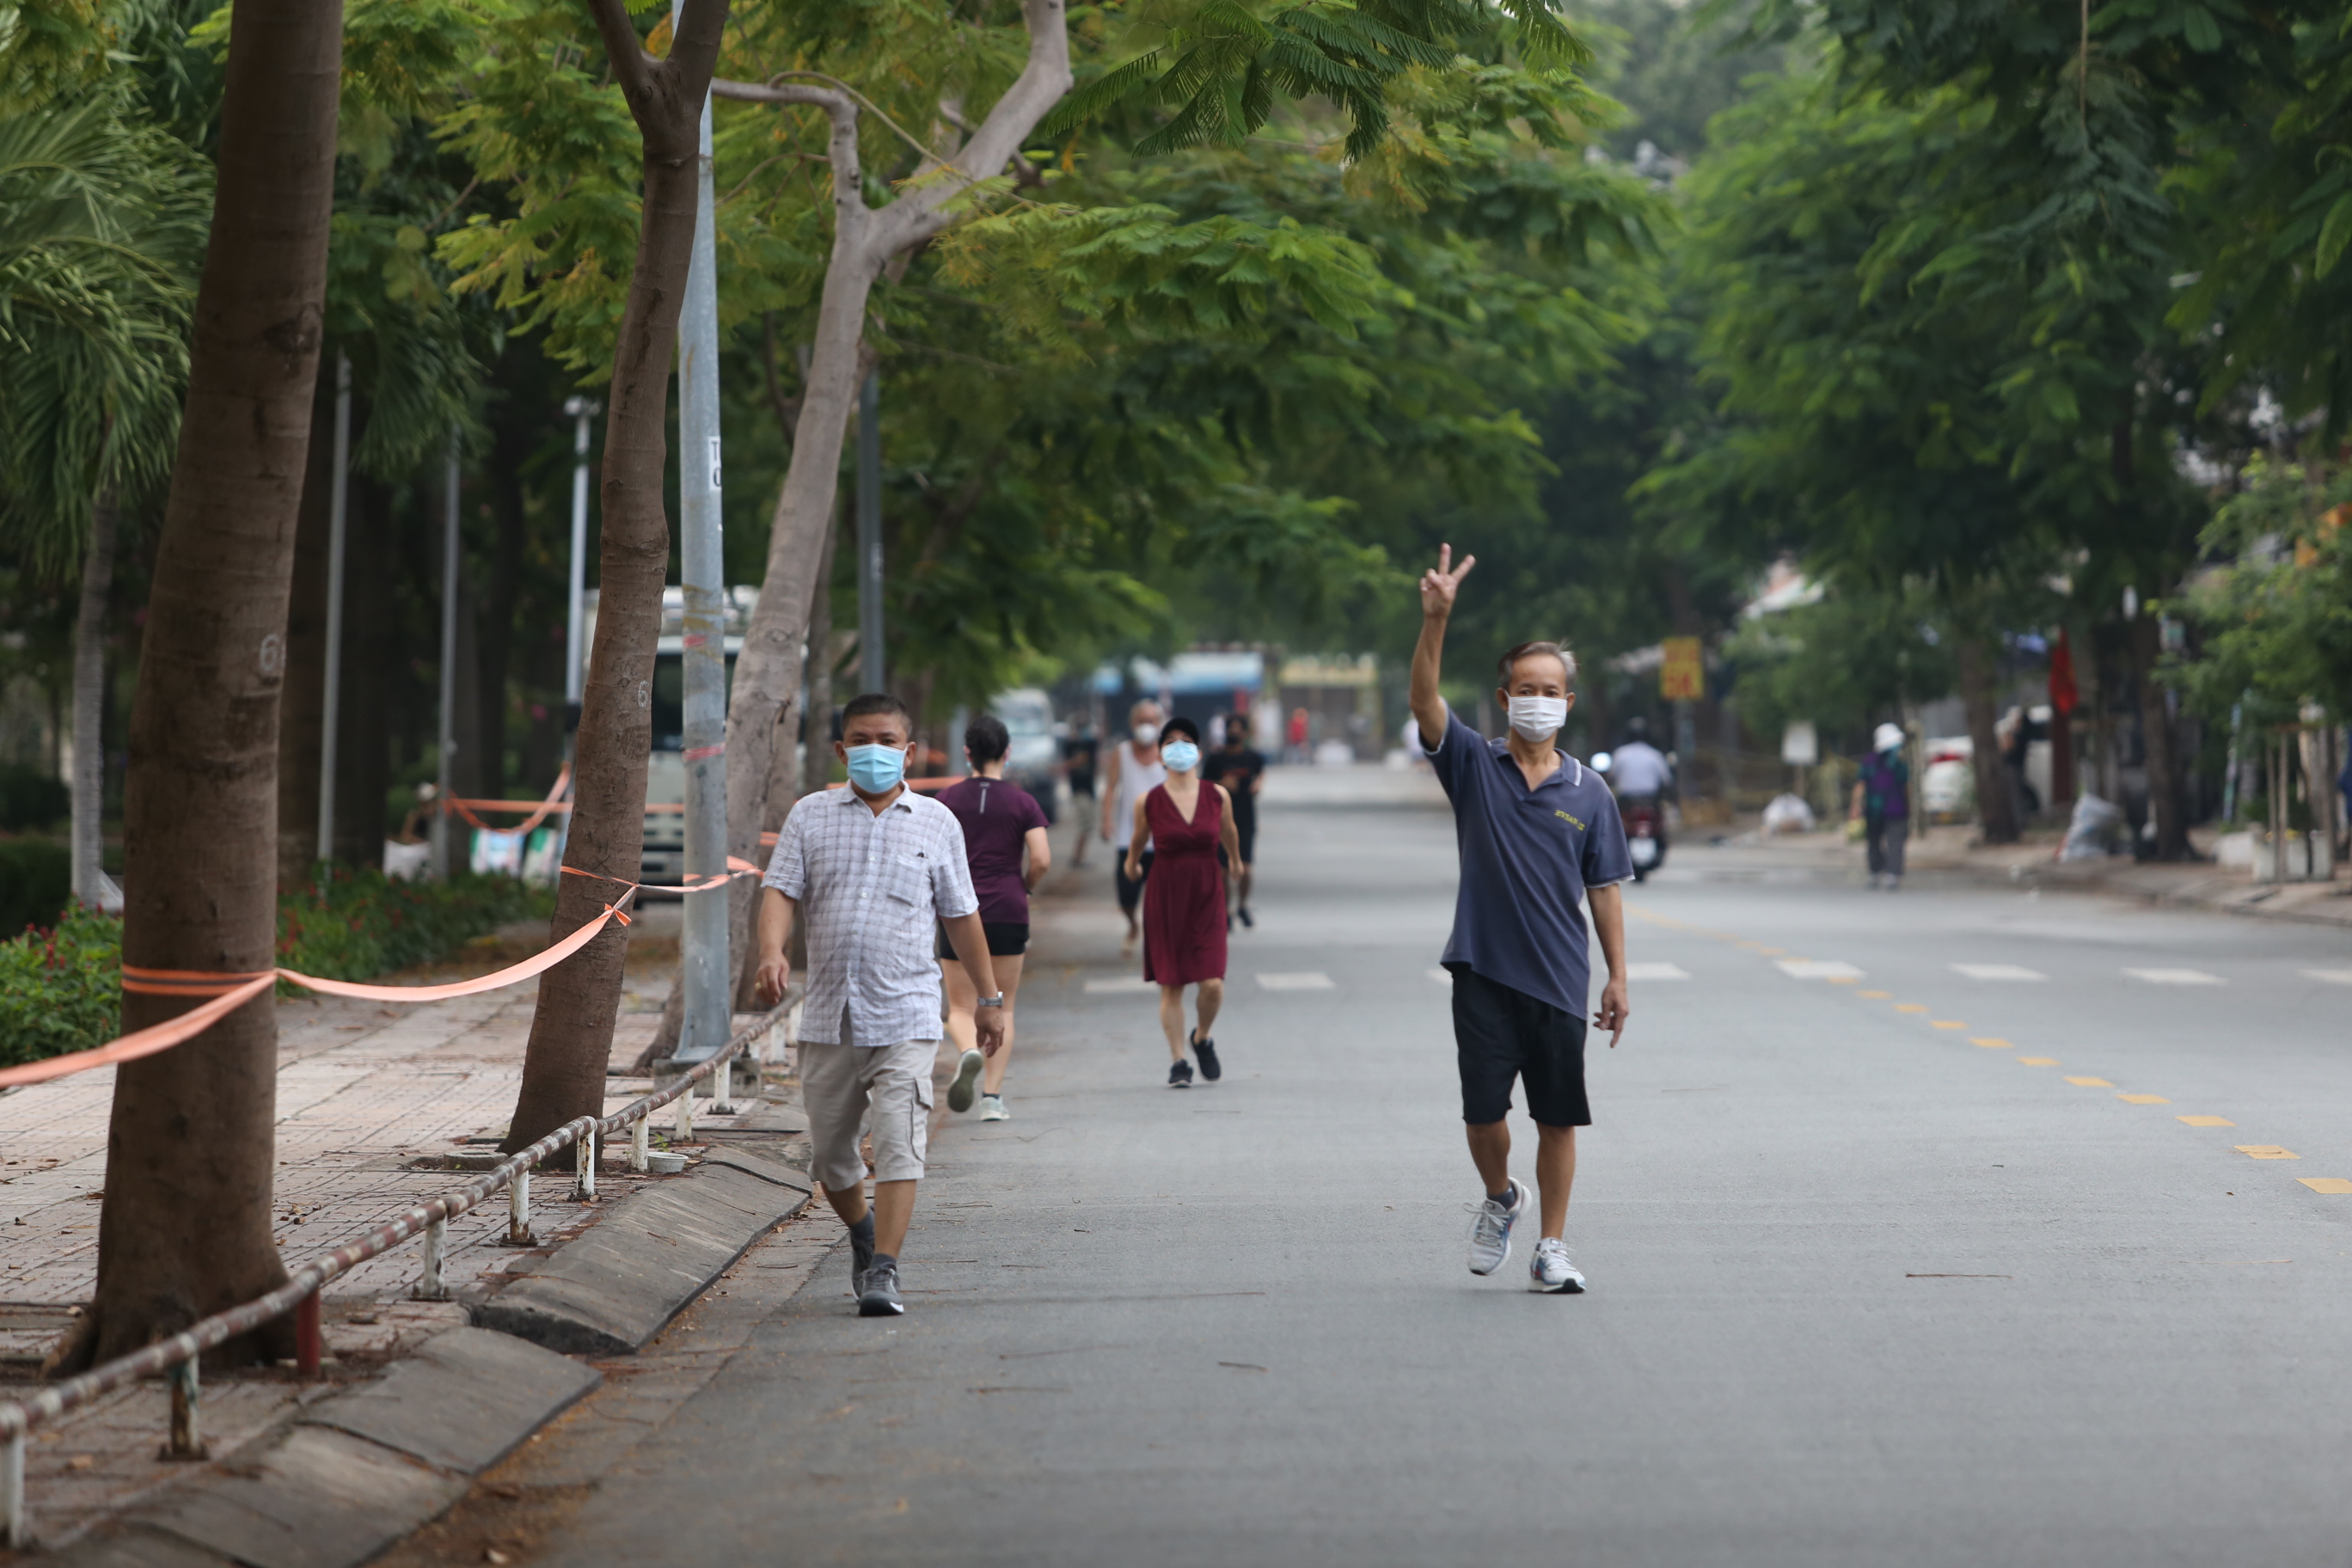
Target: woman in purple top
[[1000, 822]]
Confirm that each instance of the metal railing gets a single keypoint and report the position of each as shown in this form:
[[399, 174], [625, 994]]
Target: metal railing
[[178, 1355]]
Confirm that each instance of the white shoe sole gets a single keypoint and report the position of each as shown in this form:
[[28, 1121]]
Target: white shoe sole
[[967, 1073]]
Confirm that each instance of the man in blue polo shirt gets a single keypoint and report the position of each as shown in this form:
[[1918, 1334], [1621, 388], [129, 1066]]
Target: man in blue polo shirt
[[1538, 836]]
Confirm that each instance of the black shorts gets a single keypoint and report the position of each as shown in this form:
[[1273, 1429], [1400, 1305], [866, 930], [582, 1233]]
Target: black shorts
[[1006, 939], [1131, 891], [1245, 830], [1500, 1034]]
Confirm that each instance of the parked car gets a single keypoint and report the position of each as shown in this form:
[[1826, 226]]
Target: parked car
[[1948, 784], [1034, 759]]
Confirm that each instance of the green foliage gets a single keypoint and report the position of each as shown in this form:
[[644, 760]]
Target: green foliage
[[357, 924], [36, 881], [29, 798], [2278, 619], [1845, 664], [60, 988]]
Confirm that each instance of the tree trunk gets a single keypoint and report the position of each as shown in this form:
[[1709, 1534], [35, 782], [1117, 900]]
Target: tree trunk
[[185, 1228], [572, 1032], [302, 705], [1996, 802], [2164, 791], [89, 703]]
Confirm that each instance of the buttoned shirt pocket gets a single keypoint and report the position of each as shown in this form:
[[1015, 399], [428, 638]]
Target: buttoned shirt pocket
[[907, 877]]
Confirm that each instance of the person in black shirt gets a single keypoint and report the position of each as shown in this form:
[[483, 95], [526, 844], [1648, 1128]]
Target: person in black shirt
[[1241, 770], [1079, 753]]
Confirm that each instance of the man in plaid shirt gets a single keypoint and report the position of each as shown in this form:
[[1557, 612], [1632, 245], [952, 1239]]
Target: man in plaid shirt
[[873, 870]]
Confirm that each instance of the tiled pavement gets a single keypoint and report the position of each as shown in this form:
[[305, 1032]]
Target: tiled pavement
[[366, 1091]]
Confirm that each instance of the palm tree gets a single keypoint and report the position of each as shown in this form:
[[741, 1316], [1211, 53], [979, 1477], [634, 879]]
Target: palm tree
[[101, 224]]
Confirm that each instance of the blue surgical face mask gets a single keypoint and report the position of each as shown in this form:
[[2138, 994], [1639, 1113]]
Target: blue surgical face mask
[[876, 769], [1181, 756]]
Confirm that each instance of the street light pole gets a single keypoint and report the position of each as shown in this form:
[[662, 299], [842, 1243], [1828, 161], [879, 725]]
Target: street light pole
[[449, 564], [872, 673], [710, 993], [338, 515], [581, 409]]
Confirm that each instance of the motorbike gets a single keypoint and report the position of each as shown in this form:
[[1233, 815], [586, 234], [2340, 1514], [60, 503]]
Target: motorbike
[[1645, 836]]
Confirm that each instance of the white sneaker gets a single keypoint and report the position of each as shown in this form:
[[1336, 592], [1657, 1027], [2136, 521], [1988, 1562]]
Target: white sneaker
[[968, 1067], [991, 1108], [1490, 1232], [1551, 1273]]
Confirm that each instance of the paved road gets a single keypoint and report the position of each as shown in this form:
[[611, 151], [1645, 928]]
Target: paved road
[[1924, 1268]]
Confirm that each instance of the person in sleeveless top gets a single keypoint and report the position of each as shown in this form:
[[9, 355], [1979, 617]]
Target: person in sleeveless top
[[1186, 822], [1134, 772]]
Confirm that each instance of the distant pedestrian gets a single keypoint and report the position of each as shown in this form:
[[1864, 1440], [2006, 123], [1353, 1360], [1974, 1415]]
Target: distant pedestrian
[[1301, 728], [869, 870], [1186, 820], [1080, 753], [1003, 825], [1882, 803], [1133, 773], [1538, 836], [1241, 768]]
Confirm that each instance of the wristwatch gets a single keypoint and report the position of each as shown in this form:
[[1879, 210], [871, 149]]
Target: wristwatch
[[995, 1001]]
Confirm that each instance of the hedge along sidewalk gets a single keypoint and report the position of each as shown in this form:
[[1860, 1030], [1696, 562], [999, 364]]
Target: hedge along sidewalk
[[366, 1091]]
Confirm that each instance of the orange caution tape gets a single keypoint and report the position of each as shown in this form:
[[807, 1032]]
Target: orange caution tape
[[539, 809], [230, 992]]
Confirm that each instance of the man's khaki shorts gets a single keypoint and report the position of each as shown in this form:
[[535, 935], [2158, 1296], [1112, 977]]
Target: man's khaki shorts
[[840, 1083]]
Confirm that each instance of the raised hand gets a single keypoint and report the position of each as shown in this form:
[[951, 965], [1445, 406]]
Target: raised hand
[[1439, 587]]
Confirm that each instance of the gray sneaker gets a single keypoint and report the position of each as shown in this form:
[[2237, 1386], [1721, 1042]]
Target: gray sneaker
[[967, 1073], [880, 1298], [1490, 1231], [861, 1258]]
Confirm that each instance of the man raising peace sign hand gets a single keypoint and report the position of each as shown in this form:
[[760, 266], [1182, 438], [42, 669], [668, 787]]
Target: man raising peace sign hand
[[1538, 833]]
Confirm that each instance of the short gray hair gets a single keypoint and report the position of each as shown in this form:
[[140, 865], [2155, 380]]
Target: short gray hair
[[1510, 660]]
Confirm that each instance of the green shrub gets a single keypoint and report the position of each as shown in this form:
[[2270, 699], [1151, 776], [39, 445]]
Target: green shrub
[[60, 989], [30, 798], [36, 882]]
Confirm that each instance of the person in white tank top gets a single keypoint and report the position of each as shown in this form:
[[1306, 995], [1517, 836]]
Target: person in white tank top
[[1135, 771]]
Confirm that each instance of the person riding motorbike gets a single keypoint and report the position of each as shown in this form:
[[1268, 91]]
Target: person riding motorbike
[[1642, 778]]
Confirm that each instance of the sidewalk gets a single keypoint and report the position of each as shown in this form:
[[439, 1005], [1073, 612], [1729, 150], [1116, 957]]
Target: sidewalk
[[375, 1104], [1951, 850]]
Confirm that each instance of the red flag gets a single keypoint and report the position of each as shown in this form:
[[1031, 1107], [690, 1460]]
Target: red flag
[[2062, 695]]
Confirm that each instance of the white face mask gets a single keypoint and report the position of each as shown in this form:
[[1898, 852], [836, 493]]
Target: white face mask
[[1146, 734], [1539, 717]]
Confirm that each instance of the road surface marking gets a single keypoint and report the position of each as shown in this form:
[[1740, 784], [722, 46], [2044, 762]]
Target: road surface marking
[[1120, 986], [2090, 1083], [1841, 979], [1910, 1006], [2208, 1121], [1656, 972], [2143, 1099], [1946, 1024], [1991, 1043], [2267, 1152], [2176, 977], [2333, 976], [1815, 968], [1875, 995], [2335, 1185], [2038, 1061], [1999, 972], [1312, 980]]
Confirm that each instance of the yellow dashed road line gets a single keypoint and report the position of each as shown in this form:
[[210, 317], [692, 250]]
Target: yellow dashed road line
[[2267, 1152], [2206, 1120], [2038, 1061], [2090, 1083], [2335, 1185], [2143, 1099]]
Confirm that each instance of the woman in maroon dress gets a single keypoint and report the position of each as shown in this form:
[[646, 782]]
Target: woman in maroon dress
[[1185, 822]]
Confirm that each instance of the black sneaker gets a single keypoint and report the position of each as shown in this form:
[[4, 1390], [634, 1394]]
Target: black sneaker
[[880, 1298], [1244, 913], [1180, 1074], [1210, 1070]]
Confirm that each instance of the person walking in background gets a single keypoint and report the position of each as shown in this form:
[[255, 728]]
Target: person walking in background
[[1002, 825], [1297, 733], [1538, 836], [1240, 768], [1134, 772], [869, 868], [1882, 801], [1079, 753], [1186, 820]]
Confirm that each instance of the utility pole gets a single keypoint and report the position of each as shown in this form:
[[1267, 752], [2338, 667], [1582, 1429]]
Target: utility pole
[[710, 989], [338, 515], [449, 564], [872, 674], [582, 410]]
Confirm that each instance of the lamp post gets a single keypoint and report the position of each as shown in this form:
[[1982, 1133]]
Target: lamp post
[[449, 567], [582, 410], [338, 514]]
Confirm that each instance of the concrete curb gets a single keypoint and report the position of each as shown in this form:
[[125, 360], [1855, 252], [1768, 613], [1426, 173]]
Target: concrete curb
[[357, 1471], [617, 1286]]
